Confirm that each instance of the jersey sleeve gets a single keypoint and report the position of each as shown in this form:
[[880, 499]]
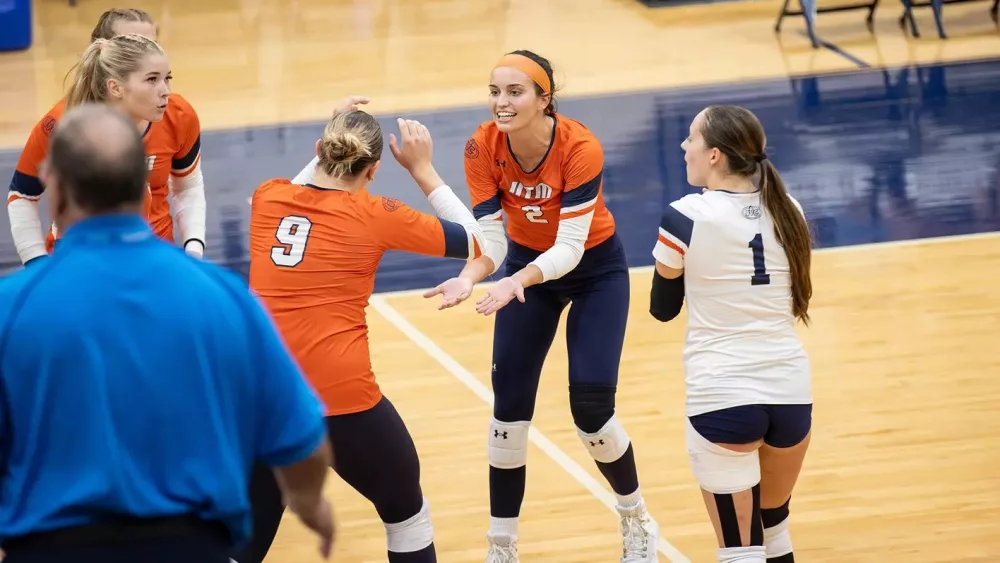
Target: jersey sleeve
[[397, 226], [676, 226], [583, 179], [26, 189], [484, 193], [289, 417], [188, 130], [25, 184]]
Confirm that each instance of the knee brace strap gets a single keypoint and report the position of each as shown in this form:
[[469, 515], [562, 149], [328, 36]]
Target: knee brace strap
[[718, 470], [508, 444], [607, 444], [413, 534]]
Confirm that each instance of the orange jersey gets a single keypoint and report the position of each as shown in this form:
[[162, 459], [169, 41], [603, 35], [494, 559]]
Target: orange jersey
[[173, 146], [567, 183], [313, 257]]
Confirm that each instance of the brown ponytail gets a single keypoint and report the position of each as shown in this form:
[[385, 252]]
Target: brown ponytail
[[738, 134], [792, 232]]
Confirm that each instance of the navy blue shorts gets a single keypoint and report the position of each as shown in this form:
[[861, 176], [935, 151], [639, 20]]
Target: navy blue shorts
[[780, 426], [598, 289]]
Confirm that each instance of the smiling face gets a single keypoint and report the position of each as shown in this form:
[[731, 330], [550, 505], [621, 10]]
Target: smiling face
[[514, 99], [144, 92]]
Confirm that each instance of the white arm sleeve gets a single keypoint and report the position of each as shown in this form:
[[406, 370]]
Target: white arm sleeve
[[189, 208], [494, 238], [567, 251], [305, 176], [447, 206], [26, 229]]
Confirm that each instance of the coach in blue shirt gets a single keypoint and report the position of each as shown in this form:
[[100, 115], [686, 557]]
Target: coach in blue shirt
[[139, 385]]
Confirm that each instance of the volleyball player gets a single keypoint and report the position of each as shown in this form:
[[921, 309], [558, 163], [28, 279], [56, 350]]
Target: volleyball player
[[314, 250], [544, 170], [171, 133], [740, 254]]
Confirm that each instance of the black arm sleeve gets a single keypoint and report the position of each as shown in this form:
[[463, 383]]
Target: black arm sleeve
[[666, 297]]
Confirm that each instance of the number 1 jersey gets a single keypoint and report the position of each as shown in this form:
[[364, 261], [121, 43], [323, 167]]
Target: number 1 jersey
[[742, 346]]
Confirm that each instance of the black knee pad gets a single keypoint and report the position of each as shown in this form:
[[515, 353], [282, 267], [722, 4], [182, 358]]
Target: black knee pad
[[729, 521], [592, 406], [774, 516]]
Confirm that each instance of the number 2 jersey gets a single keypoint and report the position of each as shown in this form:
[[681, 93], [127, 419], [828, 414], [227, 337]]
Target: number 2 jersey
[[313, 257], [566, 186], [741, 347]]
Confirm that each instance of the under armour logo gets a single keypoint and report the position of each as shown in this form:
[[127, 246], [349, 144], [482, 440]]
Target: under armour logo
[[594, 445], [498, 434]]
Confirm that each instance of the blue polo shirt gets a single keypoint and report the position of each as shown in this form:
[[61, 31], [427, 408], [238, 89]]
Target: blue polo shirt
[[135, 380]]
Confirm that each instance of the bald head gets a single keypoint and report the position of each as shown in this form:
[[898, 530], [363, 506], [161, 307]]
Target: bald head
[[98, 159]]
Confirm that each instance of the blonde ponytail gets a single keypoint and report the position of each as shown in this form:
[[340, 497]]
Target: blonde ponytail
[[351, 142], [104, 60]]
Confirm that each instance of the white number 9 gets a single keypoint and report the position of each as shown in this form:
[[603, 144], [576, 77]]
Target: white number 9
[[293, 234]]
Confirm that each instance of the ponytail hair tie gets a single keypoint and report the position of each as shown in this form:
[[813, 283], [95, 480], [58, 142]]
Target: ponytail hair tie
[[760, 158], [101, 44]]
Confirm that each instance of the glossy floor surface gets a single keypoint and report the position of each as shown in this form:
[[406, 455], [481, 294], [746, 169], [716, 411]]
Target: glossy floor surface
[[882, 137]]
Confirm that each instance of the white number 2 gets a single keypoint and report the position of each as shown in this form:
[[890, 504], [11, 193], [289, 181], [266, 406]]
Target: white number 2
[[533, 213], [293, 234]]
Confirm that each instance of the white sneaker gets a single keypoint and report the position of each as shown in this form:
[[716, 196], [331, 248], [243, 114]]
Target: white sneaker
[[503, 549], [640, 535]]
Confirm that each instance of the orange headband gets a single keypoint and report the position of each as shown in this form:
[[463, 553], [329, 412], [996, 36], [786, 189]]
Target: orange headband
[[534, 70]]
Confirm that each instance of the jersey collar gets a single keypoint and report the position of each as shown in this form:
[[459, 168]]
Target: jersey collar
[[108, 229]]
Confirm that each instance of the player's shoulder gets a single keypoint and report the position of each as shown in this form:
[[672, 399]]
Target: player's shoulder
[[47, 124], [272, 188], [796, 203], [375, 204], [699, 206], [574, 138], [483, 140], [180, 114], [178, 105]]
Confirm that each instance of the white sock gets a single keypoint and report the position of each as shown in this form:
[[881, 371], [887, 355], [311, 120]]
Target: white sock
[[629, 500], [777, 540], [751, 554], [503, 527]]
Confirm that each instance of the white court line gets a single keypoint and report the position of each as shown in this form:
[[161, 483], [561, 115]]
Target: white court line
[[553, 451], [830, 250]]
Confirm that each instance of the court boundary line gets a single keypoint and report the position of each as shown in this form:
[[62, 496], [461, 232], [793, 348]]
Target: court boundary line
[[548, 447], [827, 250]]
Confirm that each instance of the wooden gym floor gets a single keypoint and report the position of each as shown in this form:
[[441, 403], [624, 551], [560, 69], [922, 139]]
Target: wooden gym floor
[[903, 464]]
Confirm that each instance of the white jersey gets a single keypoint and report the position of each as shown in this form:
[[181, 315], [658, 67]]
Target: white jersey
[[741, 346]]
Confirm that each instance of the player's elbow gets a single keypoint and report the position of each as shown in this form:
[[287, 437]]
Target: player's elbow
[[666, 297]]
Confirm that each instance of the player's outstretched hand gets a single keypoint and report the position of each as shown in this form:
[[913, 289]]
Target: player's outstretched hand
[[498, 296], [350, 104], [452, 292], [415, 148]]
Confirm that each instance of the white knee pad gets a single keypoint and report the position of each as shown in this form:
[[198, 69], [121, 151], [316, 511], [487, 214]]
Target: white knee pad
[[718, 470], [412, 534], [607, 444], [508, 444]]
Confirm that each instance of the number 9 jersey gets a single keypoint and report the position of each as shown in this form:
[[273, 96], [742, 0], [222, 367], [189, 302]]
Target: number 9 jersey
[[565, 186], [742, 347]]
